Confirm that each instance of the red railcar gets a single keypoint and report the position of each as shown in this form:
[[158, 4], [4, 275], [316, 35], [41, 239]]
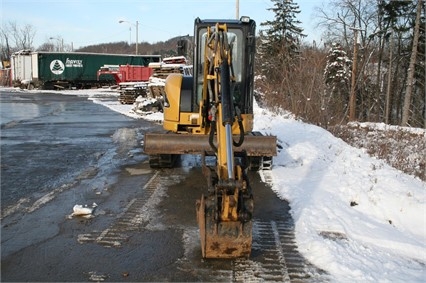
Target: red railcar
[[127, 73]]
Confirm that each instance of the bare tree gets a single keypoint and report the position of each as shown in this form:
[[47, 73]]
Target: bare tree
[[15, 37], [22, 36], [340, 16], [340, 20], [4, 45]]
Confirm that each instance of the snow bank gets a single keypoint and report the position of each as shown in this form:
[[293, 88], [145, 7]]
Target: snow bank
[[355, 217]]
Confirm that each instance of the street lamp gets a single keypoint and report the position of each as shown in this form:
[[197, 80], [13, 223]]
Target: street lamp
[[135, 25], [61, 41]]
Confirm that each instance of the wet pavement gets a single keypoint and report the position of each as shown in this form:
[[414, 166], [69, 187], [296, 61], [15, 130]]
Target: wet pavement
[[47, 140], [58, 151]]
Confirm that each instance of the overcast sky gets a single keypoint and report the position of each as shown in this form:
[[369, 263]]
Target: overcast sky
[[88, 22]]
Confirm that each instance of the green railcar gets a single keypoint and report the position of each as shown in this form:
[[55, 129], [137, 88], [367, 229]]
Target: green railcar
[[76, 69]]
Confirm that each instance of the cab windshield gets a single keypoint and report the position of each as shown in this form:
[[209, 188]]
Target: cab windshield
[[234, 37]]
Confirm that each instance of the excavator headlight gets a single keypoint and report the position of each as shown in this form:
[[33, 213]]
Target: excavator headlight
[[245, 19]]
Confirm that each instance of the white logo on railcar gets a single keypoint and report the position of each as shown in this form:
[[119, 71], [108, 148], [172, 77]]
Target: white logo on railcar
[[57, 67], [74, 63]]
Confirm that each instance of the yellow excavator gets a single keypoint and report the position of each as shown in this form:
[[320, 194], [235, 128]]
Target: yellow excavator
[[211, 114]]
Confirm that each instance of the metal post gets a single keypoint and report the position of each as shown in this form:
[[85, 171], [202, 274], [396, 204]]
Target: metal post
[[237, 8], [137, 24]]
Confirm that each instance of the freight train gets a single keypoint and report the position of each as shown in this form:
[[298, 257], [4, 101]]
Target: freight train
[[49, 70]]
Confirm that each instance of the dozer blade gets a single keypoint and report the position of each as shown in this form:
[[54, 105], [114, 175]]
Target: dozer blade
[[222, 239], [254, 144]]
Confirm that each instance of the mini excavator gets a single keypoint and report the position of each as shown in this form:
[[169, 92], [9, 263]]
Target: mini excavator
[[211, 114]]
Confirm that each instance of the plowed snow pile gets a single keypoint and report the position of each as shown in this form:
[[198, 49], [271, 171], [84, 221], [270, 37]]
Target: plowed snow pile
[[356, 217]]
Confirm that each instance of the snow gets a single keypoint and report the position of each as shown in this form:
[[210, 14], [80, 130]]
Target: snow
[[80, 210], [356, 217], [381, 237]]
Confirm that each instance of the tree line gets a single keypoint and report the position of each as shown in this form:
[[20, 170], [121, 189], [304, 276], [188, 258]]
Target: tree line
[[369, 66], [14, 38]]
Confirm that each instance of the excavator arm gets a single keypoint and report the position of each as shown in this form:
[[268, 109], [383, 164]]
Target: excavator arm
[[225, 215]]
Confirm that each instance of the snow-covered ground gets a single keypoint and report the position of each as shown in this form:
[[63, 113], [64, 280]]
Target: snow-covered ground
[[355, 217]]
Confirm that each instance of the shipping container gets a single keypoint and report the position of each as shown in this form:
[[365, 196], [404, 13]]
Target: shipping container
[[126, 73], [136, 73], [21, 67], [75, 69]]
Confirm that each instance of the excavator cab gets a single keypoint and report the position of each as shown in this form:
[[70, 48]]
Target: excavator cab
[[240, 38], [187, 102], [211, 114]]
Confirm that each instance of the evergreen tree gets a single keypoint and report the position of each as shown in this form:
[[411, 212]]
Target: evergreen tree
[[337, 76], [337, 73], [280, 41]]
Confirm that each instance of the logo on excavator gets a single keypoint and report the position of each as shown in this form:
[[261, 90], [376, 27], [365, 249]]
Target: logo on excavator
[[57, 67]]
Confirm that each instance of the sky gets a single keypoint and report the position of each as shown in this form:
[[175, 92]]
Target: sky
[[87, 22]]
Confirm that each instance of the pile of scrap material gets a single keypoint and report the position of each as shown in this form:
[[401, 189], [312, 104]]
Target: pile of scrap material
[[161, 70], [168, 66], [156, 87], [147, 105], [154, 100], [131, 90]]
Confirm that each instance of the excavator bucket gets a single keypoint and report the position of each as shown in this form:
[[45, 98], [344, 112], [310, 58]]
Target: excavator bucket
[[223, 239]]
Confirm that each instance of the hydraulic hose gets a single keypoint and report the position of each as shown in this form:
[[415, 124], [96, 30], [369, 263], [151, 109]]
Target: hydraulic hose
[[241, 127], [211, 135]]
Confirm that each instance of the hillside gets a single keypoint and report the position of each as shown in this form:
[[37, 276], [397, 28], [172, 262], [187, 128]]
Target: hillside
[[163, 48]]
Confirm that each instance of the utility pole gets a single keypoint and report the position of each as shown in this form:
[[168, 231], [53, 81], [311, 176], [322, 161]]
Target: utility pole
[[60, 43], [352, 96], [388, 89], [137, 31], [237, 9]]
